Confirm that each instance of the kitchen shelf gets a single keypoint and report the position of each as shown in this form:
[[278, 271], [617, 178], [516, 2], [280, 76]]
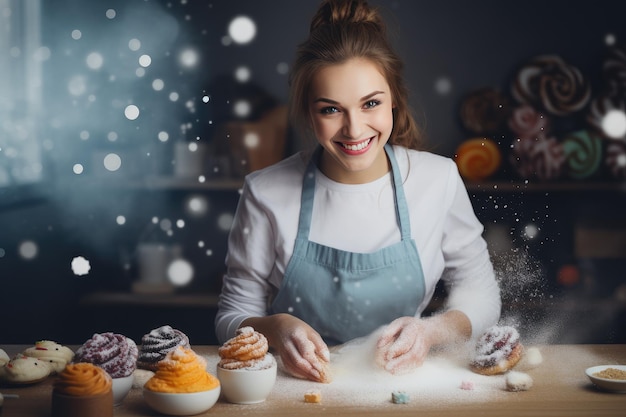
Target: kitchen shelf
[[150, 300]]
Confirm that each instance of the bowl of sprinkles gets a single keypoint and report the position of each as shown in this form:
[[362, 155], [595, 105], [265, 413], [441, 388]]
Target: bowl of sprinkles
[[608, 377]]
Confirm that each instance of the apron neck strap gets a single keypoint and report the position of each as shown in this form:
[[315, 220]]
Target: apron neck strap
[[308, 195]]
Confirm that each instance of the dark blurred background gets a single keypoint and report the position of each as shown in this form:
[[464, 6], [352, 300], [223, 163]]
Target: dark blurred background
[[126, 127]]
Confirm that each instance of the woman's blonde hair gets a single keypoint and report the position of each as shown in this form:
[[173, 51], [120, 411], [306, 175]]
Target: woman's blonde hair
[[342, 30]]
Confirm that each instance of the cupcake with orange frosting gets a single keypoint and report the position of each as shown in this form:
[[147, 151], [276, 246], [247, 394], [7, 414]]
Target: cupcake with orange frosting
[[247, 370], [181, 384], [182, 370], [82, 389]]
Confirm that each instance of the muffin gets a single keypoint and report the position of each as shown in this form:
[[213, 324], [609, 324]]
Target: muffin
[[246, 369], [82, 389]]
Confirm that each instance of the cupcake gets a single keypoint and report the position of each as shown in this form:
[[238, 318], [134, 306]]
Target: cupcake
[[181, 384], [116, 354], [82, 389], [246, 369], [156, 344], [55, 354]]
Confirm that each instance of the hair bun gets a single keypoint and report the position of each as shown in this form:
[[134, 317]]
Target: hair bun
[[344, 12]]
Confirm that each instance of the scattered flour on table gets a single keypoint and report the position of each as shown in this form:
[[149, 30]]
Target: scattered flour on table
[[358, 381]]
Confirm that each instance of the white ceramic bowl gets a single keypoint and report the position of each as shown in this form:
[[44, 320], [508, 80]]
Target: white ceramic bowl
[[121, 388], [181, 404], [618, 385], [247, 386]]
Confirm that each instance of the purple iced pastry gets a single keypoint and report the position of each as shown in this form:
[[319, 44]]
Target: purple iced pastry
[[115, 353], [157, 344]]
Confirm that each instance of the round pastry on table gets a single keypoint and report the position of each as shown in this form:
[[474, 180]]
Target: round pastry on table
[[498, 350], [52, 352], [24, 370]]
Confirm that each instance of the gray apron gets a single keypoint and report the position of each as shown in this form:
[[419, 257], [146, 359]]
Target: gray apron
[[344, 295]]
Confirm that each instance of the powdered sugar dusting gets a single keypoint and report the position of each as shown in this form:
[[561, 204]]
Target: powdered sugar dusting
[[359, 381]]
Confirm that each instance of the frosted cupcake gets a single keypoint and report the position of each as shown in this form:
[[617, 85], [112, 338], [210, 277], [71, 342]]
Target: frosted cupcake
[[82, 389], [116, 354], [156, 344], [246, 369]]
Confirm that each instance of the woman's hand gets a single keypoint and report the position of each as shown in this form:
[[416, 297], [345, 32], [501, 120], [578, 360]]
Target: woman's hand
[[301, 349], [404, 344]]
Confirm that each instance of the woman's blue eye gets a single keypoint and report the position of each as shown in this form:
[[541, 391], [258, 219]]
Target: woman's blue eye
[[371, 103], [329, 110]]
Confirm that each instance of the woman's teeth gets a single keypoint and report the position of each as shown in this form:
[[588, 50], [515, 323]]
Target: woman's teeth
[[358, 146]]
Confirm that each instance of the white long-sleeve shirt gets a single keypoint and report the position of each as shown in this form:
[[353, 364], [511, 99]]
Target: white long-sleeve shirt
[[358, 218]]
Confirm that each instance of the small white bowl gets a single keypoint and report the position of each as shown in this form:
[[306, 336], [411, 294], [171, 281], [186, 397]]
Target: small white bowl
[[247, 386], [181, 404], [121, 388], [618, 385]]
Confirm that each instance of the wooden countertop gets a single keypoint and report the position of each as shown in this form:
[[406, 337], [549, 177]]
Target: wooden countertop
[[560, 388]]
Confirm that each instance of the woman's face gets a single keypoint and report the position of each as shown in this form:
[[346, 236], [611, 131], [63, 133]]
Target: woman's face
[[351, 115]]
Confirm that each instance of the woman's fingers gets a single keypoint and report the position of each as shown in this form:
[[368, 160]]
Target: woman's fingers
[[301, 357]]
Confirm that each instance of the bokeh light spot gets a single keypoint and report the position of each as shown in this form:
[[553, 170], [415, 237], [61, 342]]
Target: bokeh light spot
[[197, 205], [242, 29], [251, 140], [614, 124], [95, 61], [443, 86], [80, 266], [158, 84], [131, 112], [180, 272], [145, 61], [282, 68], [112, 162], [530, 231], [242, 108], [163, 136], [225, 221], [28, 249], [189, 58], [134, 44], [242, 74]]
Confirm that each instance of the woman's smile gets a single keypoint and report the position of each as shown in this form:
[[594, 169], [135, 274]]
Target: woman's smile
[[356, 148]]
